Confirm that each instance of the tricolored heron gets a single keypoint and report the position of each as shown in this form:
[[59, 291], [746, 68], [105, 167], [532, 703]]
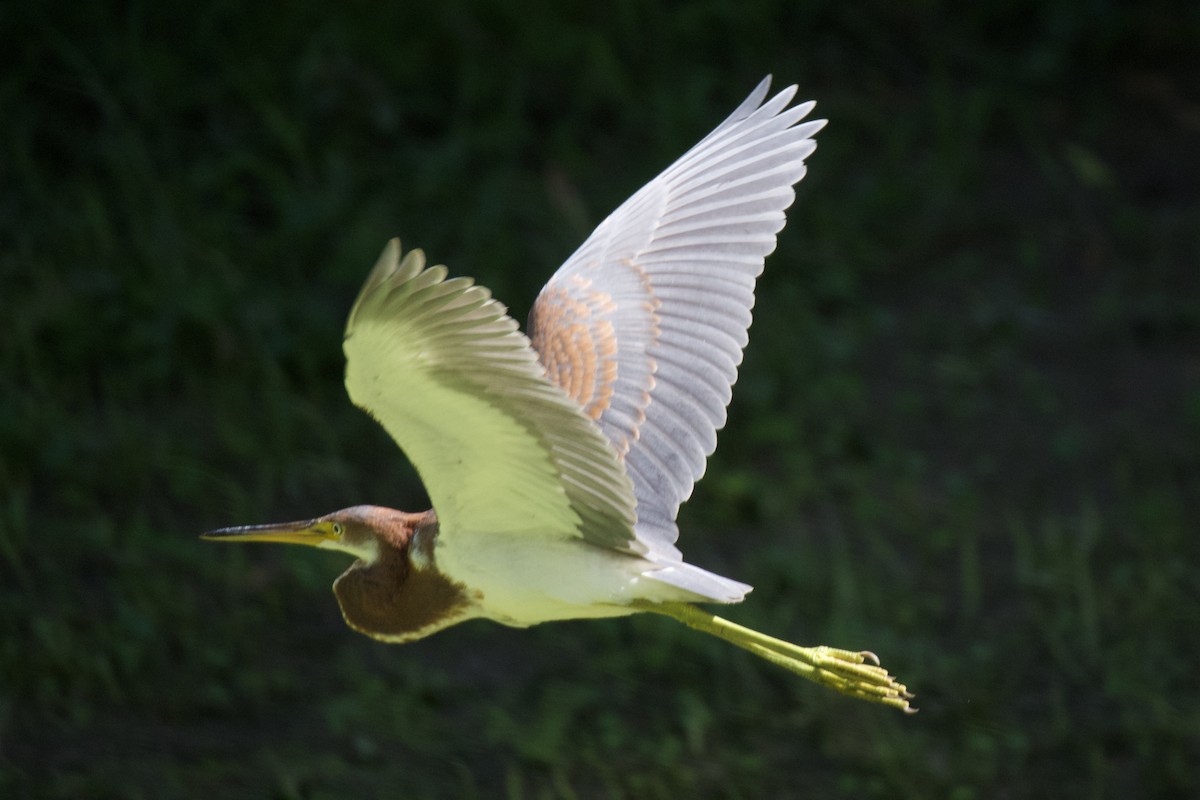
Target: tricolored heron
[[556, 463]]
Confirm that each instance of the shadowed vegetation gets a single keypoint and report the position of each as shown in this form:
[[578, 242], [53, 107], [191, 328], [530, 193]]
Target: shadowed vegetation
[[965, 436]]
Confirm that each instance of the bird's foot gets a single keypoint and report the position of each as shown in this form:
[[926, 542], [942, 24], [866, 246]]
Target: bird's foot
[[856, 673]]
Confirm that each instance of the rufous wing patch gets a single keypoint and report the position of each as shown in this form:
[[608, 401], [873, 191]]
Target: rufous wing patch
[[576, 342]]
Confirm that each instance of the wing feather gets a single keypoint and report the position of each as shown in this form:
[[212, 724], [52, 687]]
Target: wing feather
[[645, 323], [500, 448]]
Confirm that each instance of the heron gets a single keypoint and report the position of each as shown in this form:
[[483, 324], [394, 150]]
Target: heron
[[556, 460]]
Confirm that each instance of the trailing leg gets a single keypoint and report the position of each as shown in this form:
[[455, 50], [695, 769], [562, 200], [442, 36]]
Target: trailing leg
[[857, 674]]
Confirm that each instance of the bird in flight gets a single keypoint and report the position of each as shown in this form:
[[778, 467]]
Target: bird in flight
[[556, 461]]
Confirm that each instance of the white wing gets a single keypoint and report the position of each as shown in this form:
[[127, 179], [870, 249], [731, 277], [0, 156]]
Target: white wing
[[644, 325], [501, 450]]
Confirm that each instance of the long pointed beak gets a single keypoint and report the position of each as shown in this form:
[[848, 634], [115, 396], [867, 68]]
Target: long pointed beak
[[310, 532]]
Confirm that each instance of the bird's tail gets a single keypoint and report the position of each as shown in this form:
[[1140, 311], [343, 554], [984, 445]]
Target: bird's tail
[[703, 586], [857, 674]]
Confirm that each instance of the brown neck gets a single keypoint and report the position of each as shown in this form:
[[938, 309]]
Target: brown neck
[[393, 601]]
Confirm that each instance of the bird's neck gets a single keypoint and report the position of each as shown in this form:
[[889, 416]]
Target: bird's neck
[[398, 597]]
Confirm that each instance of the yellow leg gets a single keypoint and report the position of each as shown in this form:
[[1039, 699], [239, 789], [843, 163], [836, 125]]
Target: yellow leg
[[846, 671]]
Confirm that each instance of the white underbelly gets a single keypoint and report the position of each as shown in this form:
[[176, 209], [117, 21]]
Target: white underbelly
[[523, 580]]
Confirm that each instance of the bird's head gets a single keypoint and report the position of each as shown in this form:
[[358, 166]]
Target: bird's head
[[392, 592], [362, 531]]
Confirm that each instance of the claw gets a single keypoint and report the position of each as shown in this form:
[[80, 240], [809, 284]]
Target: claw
[[845, 671]]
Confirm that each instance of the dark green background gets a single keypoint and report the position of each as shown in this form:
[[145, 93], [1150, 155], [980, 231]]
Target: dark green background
[[965, 436]]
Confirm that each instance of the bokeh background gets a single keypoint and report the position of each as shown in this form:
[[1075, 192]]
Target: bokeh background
[[965, 435]]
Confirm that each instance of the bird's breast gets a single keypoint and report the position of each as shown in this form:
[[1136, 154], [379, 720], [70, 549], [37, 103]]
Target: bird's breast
[[391, 601]]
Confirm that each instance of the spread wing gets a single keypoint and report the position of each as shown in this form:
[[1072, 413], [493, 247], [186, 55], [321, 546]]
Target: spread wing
[[644, 325], [500, 449]]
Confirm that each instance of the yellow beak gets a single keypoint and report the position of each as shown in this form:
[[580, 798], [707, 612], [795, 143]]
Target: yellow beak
[[310, 532]]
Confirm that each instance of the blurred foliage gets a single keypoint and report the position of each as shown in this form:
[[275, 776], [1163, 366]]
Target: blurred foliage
[[965, 435]]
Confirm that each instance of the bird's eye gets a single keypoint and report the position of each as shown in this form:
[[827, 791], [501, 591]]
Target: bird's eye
[[338, 530]]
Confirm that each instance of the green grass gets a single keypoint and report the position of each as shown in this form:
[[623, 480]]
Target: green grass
[[965, 435]]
